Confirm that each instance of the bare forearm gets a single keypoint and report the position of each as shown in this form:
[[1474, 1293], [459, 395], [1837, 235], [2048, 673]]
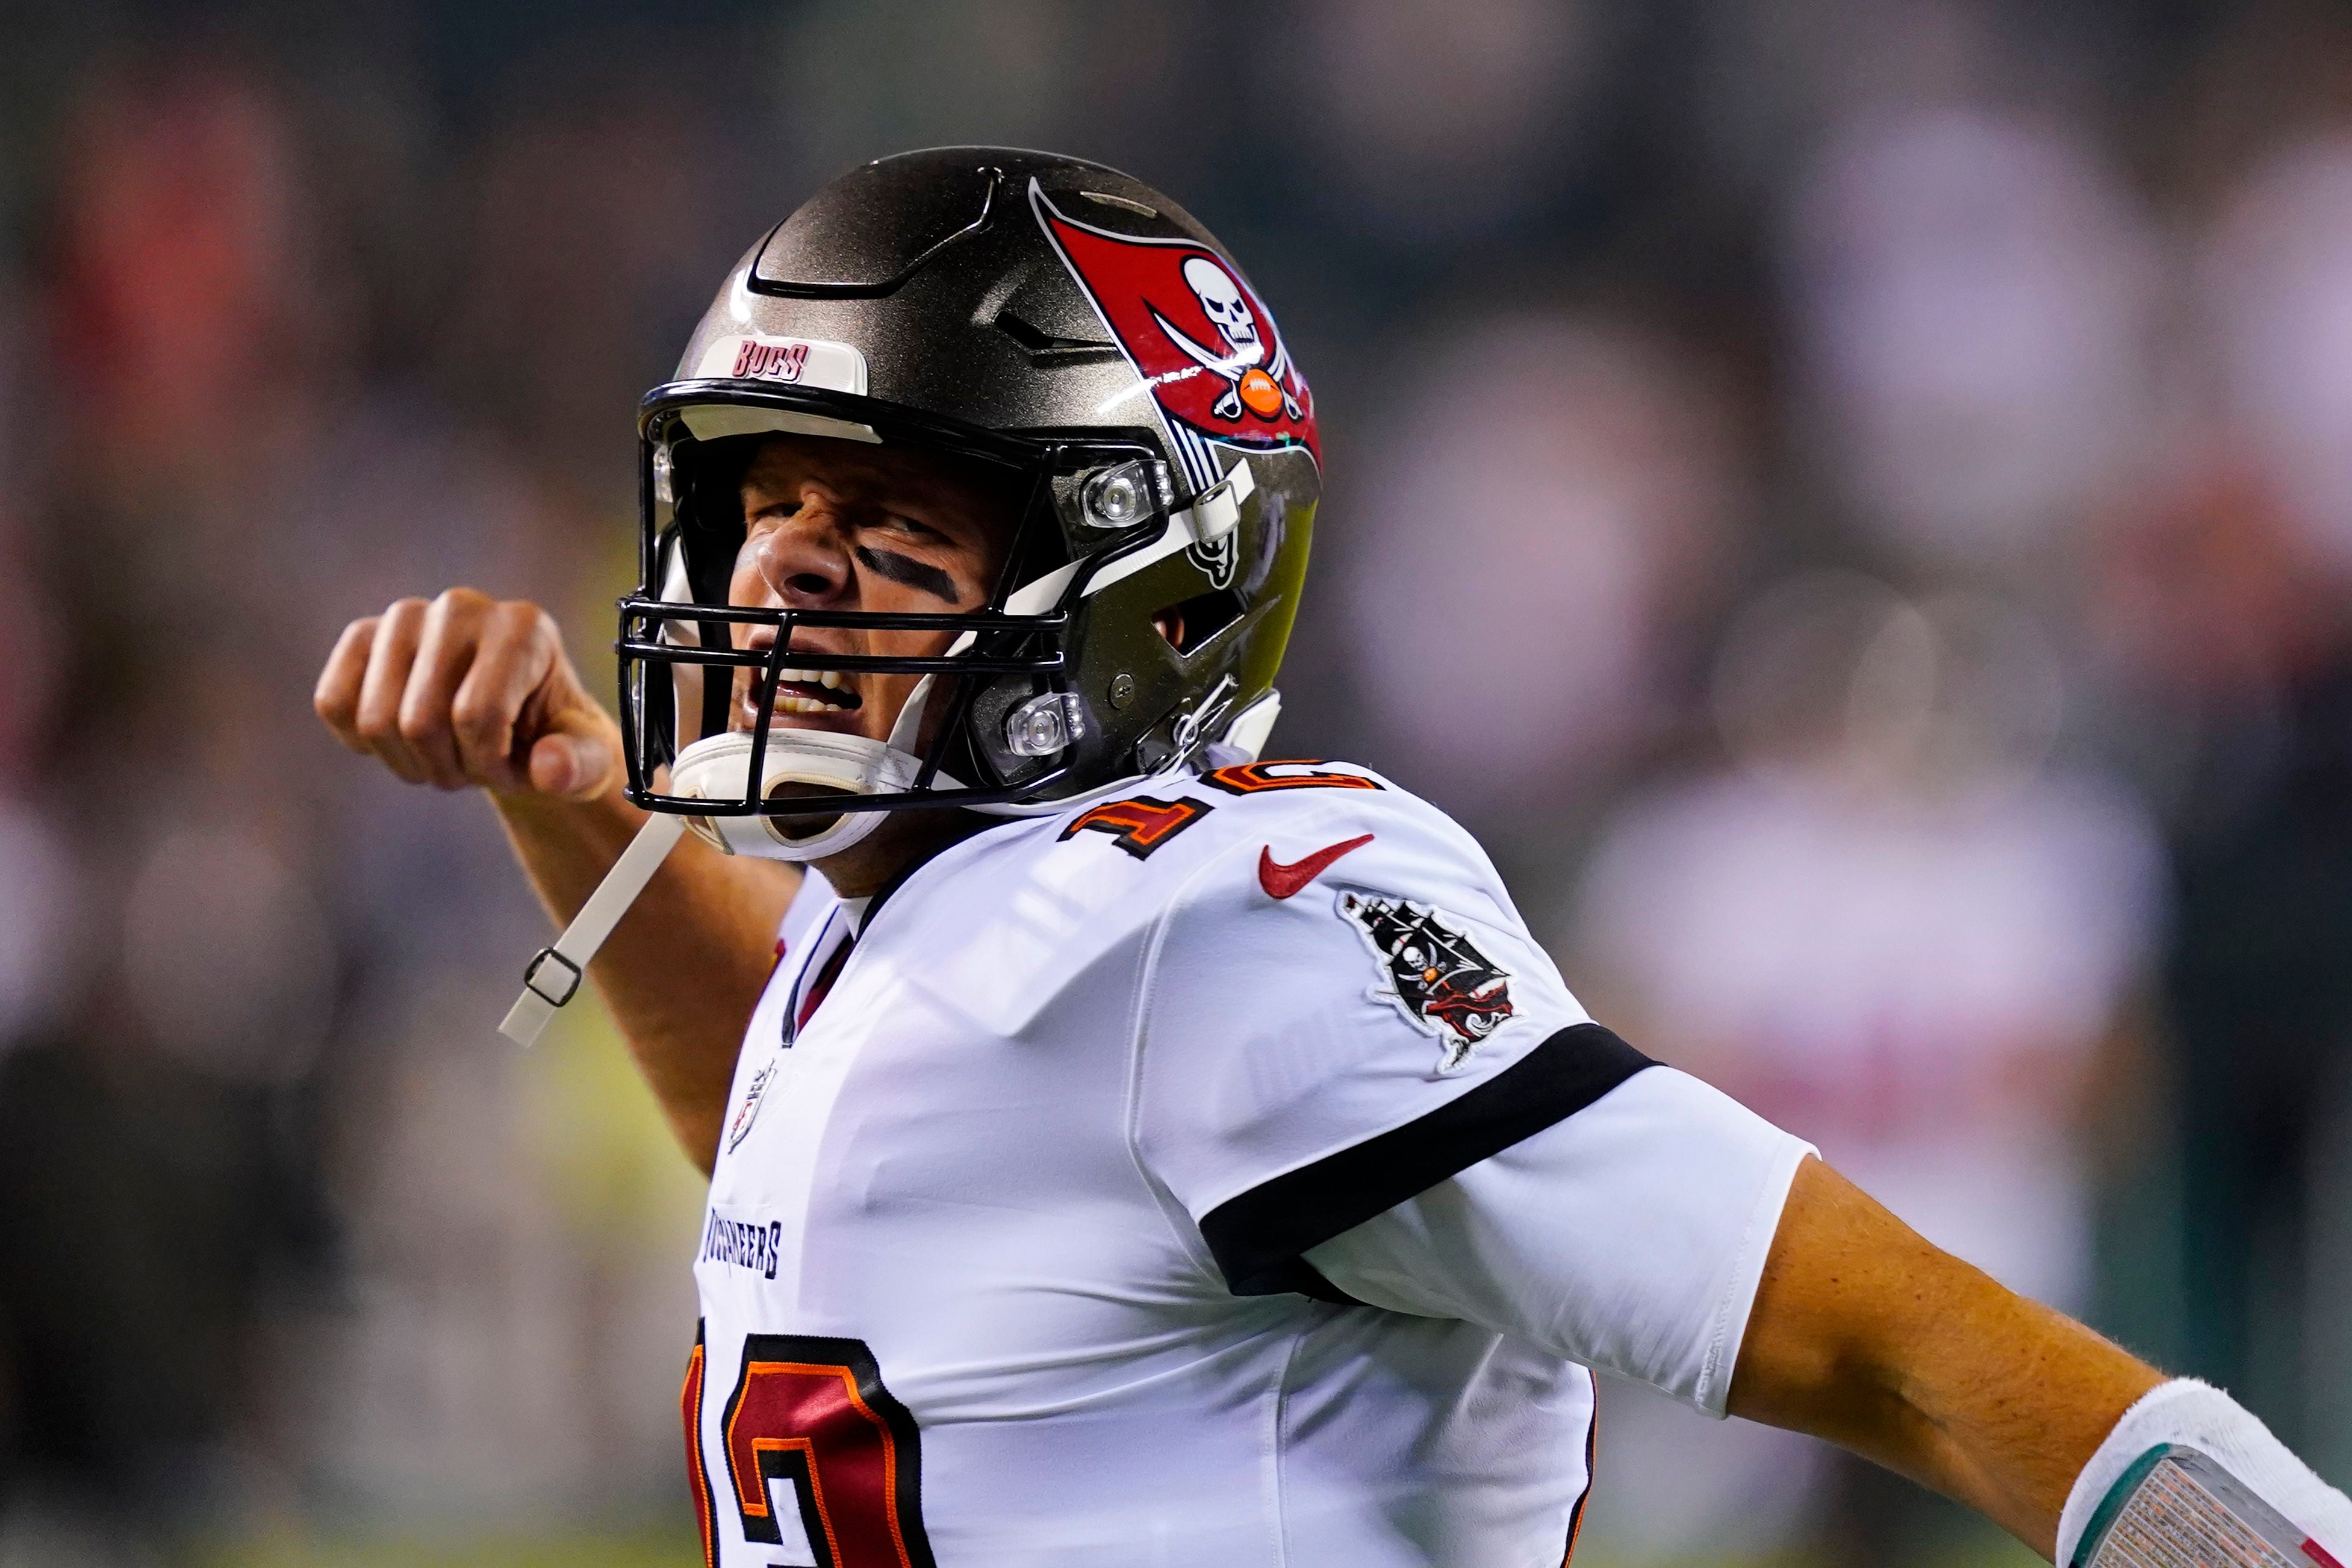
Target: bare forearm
[[684, 968], [469, 691], [1864, 1334]]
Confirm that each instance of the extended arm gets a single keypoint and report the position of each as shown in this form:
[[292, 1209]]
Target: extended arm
[[470, 691], [1661, 1231], [1864, 1334]]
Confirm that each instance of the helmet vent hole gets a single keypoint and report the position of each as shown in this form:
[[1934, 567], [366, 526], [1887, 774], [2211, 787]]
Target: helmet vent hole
[[1047, 350]]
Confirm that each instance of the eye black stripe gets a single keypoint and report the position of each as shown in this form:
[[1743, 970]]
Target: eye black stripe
[[908, 573]]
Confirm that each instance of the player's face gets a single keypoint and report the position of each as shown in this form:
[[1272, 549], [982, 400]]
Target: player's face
[[838, 525]]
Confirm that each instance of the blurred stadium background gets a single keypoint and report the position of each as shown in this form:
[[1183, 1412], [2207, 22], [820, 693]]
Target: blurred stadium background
[[1852, 499]]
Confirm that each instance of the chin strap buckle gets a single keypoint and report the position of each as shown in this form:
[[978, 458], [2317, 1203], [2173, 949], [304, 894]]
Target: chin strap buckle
[[538, 960], [591, 926]]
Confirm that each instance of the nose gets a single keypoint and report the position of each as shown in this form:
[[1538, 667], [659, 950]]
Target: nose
[[804, 560]]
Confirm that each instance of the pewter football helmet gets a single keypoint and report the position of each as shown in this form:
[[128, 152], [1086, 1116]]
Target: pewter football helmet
[[1067, 324]]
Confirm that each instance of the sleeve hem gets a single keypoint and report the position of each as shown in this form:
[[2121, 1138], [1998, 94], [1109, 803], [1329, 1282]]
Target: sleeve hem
[[1714, 1390], [1258, 1237]]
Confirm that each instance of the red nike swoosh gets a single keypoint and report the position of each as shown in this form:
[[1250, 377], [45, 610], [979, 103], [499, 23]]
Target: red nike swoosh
[[1280, 881]]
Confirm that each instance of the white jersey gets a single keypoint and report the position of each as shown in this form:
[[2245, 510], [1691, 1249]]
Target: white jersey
[[1219, 1176]]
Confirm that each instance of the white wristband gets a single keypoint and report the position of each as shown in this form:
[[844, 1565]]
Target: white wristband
[[2198, 1415]]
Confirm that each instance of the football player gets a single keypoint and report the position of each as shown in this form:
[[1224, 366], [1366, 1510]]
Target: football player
[[1134, 1150]]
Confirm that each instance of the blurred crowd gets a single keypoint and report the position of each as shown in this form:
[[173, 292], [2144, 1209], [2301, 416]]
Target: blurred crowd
[[1852, 500]]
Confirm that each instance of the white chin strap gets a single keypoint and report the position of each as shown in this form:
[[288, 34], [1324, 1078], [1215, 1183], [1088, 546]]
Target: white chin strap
[[717, 768]]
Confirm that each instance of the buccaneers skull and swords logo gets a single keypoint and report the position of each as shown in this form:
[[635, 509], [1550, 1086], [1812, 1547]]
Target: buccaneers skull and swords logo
[[1202, 342], [1434, 974]]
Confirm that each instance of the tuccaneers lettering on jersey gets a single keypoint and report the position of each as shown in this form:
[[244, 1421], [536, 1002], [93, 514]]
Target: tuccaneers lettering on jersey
[[745, 1244]]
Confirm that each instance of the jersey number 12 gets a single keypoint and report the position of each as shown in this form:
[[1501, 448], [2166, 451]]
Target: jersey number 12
[[812, 1411]]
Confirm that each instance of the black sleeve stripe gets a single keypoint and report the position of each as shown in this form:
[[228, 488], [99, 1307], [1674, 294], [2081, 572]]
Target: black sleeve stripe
[[1258, 1237]]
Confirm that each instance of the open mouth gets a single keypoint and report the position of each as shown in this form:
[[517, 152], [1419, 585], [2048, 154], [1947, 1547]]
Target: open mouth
[[815, 691], [800, 691]]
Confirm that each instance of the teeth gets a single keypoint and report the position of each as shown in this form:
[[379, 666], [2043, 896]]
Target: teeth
[[791, 702]]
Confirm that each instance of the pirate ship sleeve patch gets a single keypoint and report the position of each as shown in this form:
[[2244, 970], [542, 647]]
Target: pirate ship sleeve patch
[[1432, 972], [1332, 970]]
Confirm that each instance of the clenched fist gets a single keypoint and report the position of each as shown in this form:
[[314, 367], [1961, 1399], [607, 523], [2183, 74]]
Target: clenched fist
[[469, 689]]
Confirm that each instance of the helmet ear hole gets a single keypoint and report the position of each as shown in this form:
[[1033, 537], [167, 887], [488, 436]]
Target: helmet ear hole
[[1192, 623]]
